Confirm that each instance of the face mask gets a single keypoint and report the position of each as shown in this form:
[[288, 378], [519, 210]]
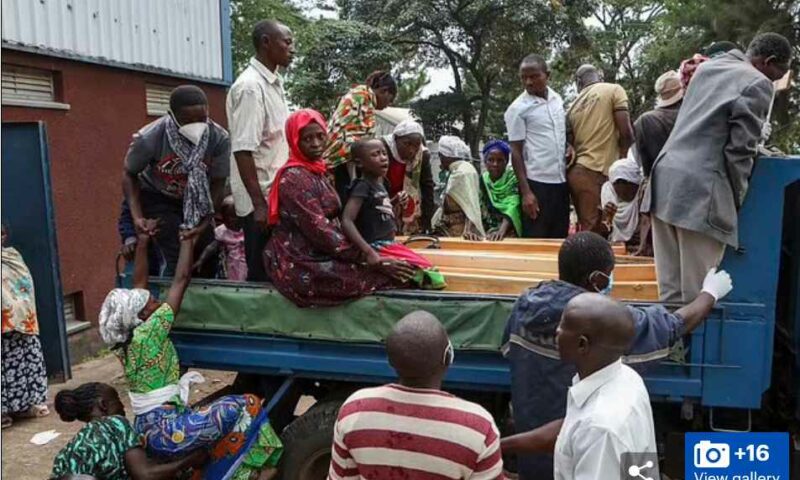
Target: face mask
[[606, 291], [449, 354], [194, 131]]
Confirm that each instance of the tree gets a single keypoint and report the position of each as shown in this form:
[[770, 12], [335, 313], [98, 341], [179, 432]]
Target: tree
[[479, 40], [410, 86], [440, 113], [246, 13], [335, 55]]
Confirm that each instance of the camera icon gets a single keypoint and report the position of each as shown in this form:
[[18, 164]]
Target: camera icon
[[712, 455]]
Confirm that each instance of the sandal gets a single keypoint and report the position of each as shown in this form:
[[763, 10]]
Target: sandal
[[7, 422]]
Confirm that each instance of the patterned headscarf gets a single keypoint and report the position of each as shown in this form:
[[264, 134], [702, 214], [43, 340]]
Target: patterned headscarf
[[197, 204], [119, 314]]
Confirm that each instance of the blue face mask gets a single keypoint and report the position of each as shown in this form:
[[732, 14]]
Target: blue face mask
[[606, 291]]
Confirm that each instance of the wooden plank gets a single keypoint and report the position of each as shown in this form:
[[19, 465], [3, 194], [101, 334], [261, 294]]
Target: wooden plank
[[509, 245], [547, 264], [501, 273], [497, 284]]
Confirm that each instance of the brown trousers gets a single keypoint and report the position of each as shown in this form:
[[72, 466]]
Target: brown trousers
[[584, 188]]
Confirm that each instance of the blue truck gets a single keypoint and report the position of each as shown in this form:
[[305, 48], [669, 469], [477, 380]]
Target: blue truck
[[738, 370]]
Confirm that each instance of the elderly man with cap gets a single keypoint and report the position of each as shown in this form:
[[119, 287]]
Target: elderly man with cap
[[700, 179], [412, 429], [599, 129], [652, 128], [460, 212]]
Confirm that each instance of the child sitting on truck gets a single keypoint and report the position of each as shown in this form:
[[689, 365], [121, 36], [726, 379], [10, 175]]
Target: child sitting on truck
[[228, 245], [368, 219]]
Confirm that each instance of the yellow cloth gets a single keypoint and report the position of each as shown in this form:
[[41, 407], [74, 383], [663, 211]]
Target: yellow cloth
[[591, 117], [19, 302]]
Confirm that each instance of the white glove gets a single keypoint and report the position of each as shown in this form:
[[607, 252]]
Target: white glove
[[717, 284]]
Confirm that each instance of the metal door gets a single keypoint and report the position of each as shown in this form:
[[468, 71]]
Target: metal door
[[27, 211]]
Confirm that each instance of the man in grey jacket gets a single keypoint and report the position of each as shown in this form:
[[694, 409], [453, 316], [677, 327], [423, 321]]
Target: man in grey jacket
[[700, 179]]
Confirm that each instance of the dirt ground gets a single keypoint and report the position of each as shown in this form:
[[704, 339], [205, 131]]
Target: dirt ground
[[22, 460]]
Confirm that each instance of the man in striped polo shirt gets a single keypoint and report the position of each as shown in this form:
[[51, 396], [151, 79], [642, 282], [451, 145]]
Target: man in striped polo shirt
[[412, 429]]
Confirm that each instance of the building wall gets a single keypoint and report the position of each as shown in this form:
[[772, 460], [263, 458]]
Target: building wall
[[186, 37], [87, 147]]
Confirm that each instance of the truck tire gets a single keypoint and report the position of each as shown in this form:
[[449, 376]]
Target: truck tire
[[307, 443]]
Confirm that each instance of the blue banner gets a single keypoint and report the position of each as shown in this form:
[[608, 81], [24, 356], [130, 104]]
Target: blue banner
[[737, 456]]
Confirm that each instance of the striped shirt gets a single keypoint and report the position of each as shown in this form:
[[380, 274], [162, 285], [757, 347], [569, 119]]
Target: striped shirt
[[399, 432]]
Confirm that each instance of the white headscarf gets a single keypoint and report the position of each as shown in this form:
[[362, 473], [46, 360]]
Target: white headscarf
[[453, 147], [626, 221], [119, 314], [408, 127], [404, 128], [626, 169]]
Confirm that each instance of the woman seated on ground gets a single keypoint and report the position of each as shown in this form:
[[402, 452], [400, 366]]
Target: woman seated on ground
[[410, 177], [107, 447], [24, 384], [621, 196], [235, 428], [460, 212], [368, 219], [308, 256], [499, 193]]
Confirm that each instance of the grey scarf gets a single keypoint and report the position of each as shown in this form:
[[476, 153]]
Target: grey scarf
[[197, 203]]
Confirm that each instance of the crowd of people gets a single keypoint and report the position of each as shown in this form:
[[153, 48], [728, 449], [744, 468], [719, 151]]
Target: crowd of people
[[315, 208]]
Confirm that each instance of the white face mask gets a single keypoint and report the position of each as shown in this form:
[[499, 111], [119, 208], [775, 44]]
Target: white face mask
[[194, 131]]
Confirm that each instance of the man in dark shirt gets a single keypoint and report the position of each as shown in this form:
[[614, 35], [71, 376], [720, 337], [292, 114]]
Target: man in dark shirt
[[157, 171], [652, 128], [539, 379]]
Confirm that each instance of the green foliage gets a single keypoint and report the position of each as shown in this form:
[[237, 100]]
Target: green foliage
[[482, 42], [479, 40], [440, 113], [334, 55], [246, 13], [411, 85]]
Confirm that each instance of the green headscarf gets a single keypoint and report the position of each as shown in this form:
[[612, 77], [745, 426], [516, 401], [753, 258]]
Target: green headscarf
[[504, 196]]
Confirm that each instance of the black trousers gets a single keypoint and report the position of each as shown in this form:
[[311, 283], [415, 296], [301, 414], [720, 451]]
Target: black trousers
[[255, 239], [553, 219], [169, 212]]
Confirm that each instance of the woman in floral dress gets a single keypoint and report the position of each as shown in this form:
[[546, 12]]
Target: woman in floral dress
[[354, 119], [308, 256], [234, 429], [24, 384]]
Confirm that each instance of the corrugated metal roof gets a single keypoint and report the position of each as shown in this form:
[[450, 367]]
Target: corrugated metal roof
[[180, 36]]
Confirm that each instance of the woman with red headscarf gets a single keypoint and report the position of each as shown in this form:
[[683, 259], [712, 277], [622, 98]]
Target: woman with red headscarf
[[308, 256]]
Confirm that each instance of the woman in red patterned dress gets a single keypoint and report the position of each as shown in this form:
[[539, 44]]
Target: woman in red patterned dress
[[308, 257]]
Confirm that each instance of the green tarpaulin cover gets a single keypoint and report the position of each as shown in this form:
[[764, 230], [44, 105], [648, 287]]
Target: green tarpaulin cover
[[474, 322]]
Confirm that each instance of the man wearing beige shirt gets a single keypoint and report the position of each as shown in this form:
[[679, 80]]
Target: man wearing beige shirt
[[599, 129], [257, 112]]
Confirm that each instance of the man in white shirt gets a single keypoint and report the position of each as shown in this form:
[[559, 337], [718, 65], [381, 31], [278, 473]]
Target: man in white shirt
[[608, 407], [257, 112], [536, 124]]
